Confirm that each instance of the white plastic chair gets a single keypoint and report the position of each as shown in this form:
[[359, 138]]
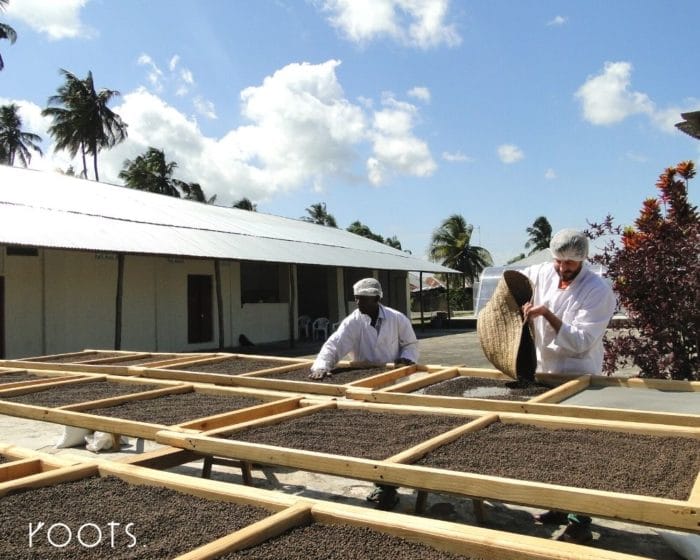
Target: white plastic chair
[[304, 326], [320, 326]]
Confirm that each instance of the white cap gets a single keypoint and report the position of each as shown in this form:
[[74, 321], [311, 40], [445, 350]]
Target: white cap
[[367, 287], [569, 245]]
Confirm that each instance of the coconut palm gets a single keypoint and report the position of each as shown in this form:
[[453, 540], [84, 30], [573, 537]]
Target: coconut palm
[[450, 245], [319, 215], [14, 142], [540, 235], [245, 204], [6, 32], [82, 121], [150, 172]]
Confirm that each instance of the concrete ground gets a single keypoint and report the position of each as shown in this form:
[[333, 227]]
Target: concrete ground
[[437, 347]]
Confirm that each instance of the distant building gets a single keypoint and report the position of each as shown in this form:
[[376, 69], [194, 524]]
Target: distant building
[[90, 265]]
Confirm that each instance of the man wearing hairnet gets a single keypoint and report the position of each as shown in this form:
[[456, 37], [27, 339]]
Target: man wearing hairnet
[[570, 310], [372, 333]]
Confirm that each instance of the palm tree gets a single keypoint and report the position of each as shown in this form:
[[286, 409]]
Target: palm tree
[[358, 228], [193, 191], [150, 172], [82, 122], [394, 242], [6, 32], [540, 235], [245, 204], [13, 141], [450, 245], [319, 215]]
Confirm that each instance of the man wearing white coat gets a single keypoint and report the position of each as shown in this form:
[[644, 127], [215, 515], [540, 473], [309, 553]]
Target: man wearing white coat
[[570, 310], [372, 333]]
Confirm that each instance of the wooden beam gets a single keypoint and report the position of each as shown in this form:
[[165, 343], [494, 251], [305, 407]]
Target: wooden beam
[[243, 415], [133, 397], [19, 469], [415, 384], [78, 380], [564, 390], [162, 458], [252, 535], [48, 478]]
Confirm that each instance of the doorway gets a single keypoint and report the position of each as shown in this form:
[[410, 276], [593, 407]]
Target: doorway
[[200, 313]]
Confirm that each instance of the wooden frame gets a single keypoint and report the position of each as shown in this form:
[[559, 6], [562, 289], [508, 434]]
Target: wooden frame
[[676, 514], [549, 403], [290, 511]]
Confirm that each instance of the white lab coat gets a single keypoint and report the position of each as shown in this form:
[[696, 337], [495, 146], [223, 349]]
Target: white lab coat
[[356, 336], [585, 309]]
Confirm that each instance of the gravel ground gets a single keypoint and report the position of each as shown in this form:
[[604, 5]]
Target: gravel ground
[[485, 388], [75, 359], [175, 409], [15, 377], [322, 542], [80, 392], [234, 366], [165, 523], [663, 467], [340, 375], [357, 433]]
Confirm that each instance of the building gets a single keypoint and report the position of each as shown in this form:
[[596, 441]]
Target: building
[[90, 265]]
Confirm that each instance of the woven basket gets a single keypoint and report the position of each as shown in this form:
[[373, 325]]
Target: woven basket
[[505, 339]]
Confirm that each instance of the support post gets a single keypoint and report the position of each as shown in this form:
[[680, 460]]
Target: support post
[[219, 302], [118, 308]]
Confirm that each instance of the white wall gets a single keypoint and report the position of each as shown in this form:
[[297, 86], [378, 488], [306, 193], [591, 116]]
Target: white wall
[[23, 305]]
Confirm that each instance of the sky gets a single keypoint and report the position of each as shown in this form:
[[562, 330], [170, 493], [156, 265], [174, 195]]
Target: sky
[[396, 113]]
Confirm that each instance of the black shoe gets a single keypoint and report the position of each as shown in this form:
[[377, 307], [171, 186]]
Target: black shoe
[[375, 494], [552, 517], [388, 499], [576, 533]]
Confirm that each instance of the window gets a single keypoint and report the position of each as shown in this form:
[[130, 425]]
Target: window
[[22, 251], [263, 282], [200, 316]]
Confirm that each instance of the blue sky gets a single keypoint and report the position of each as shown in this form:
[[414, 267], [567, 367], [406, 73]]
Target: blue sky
[[397, 113]]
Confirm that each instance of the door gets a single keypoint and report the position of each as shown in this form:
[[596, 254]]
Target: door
[[2, 316], [200, 313]]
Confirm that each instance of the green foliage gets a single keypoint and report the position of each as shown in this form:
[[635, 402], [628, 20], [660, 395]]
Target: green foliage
[[6, 32], [451, 246], [655, 271], [540, 234], [317, 214], [14, 142]]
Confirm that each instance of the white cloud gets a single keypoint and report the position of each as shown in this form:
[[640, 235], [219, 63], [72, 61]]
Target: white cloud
[[58, 19], [509, 153], [204, 107], [421, 93], [396, 149], [666, 119], [455, 157], [634, 156], [301, 130], [550, 174], [557, 21], [606, 98], [418, 23]]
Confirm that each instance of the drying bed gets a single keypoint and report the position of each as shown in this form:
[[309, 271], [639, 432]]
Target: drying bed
[[163, 520], [352, 432], [65, 394], [320, 542], [647, 465], [340, 375], [234, 365], [485, 388], [176, 409]]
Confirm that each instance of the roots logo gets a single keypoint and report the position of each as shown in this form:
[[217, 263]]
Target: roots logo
[[87, 535]]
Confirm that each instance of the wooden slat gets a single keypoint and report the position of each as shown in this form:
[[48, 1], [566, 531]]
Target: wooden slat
[[133, 397], [162, 458], [19, 469], [273, 419], [384, 377], [254, 534], [563, 391], [244, 415], [414, 453], [47, 478], [415, 384], [47, 386]]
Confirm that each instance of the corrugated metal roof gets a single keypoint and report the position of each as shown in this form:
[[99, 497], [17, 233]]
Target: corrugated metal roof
[[52, 210]]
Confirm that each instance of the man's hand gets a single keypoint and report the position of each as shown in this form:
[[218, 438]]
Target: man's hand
[[319, 373], [531, 311]]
